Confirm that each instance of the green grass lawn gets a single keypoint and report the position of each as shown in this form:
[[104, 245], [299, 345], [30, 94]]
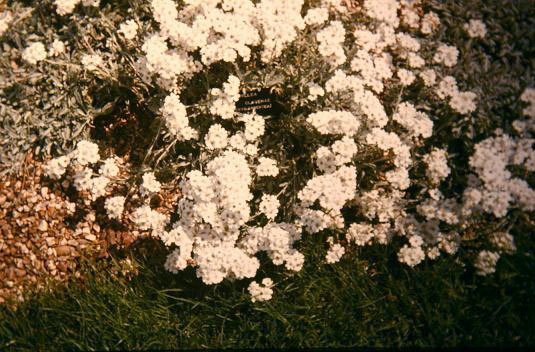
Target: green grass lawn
[[436, 304]]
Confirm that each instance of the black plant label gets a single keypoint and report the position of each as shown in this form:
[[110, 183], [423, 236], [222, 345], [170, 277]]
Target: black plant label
[[261, 100]]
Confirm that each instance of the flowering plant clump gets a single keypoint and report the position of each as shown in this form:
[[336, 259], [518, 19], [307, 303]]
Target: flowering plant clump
[[352, 157]]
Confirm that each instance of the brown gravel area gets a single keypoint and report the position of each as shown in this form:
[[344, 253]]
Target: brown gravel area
[[40, 238]]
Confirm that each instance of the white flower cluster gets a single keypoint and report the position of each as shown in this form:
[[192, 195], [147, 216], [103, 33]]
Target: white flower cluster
[[147, 219], [316, 16], [462, 102], [436, 207], [176, 119], [109, 168], [269, 206], [178, 259], [92, 62], [390, 141], [360, 234], [490, 160], [167, 64], [261, 293], [55, 168], [417, 123], [331, 40], [225, 102], [380, 205], [267, 167], [5, 19], [213, 209], [223, 32], [341, 152], [114, 207], [429, 23], [446, 55], [34, 53], [528, 96], [278, 22], [65, 7], [335, 253], [437, 165], [254, 126], [332, 190], [56, 48], [412, 255], [373, 68], [216, 138], [409, 13], [150, 184], [315, 91], [85, 154], [385, 11], [503, 241], [277, 240], [486, 262], [475, 29], [334, 122], [213, 233], [129, 29], [429, 76]]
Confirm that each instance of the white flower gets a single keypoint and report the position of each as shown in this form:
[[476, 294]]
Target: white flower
[[147, 219], [267, 167], [316, 16], [335, 253], [430, 22], [447, 55], [86, 153], [486, 262], [109, 168], [55, 168], [406, 77], [360, 234], [5, 19], [129, 29], [150, 184], [216, 138], [437, 165], [176, 119], [65, 7], [269, 206], [56, 48], [416, 241], [528, 96], [429, 77], [463, 102], [82, 179], [334, 122], [314, 91], [503, 241], [114, 207], [259, 293], [34, 52], [411, 255], [94, 3], [92, 62], [475, 28], [97, 186]]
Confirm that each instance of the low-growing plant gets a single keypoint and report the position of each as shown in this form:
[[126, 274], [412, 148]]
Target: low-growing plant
[[368, 132]]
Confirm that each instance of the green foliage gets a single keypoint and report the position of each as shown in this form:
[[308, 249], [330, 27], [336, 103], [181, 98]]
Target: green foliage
[[337, 305]]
